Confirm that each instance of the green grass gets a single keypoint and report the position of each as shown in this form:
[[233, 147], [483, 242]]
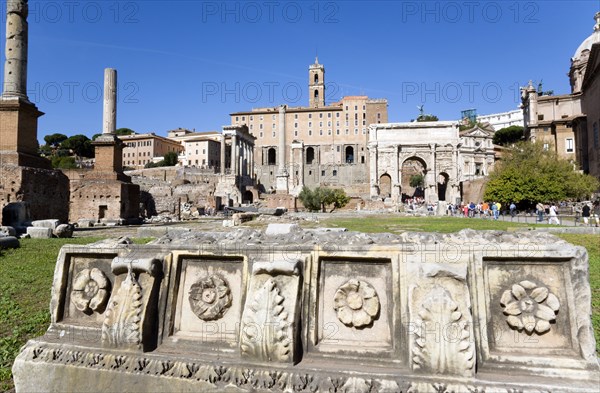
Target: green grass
[[26, 275], [396, 224], [25, 284]]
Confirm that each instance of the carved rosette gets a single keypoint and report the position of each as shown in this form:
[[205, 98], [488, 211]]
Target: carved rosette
[[356, 303], [210, 298], [529, 307], [90, 290]]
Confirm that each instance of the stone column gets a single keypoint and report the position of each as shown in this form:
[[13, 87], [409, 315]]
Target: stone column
[[222, 153], [282, 184], [396, 175], [109, 115], [234, 154], [15, 67], [374, 180], [281, 149]]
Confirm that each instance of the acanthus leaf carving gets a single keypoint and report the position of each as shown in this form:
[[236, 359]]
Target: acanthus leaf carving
[[122, 323], [266, 333], [444, 356]]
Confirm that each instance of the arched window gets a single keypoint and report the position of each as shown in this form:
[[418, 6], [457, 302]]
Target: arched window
[[316, 93], [310, 155], [349, 155], [271, 156], [316, 78]]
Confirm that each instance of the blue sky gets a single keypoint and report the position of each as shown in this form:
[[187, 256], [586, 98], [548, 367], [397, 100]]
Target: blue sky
[[191, 63]]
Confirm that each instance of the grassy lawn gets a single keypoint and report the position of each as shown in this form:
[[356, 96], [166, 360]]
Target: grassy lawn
[[396, 224], [26, 275]]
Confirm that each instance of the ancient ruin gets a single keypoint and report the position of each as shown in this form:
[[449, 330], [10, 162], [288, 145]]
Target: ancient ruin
[[291, 310], [105, 194], [27, 182]]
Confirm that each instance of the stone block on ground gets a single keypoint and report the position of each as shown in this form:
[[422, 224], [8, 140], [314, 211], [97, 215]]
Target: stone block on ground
[[63, 231], [39, 232], [52, 224], [85, 223], [281, 229], [9, 242]]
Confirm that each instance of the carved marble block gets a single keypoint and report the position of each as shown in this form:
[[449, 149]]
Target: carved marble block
[[318, 312]]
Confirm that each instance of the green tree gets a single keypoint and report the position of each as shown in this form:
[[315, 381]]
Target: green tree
[[319, 198], [124, 131], [529, 174], [417, 181], [54, 140], [427, 118], [64, 162], [80, 144], [170, 159], [508, 135]]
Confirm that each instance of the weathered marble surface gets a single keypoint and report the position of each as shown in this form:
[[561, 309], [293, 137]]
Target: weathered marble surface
[[312, 311]]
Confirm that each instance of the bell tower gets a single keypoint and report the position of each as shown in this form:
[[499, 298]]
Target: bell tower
[[316, 85]]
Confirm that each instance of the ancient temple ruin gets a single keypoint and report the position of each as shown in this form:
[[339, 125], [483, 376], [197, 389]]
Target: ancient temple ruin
[[29, 188], [105, 193]]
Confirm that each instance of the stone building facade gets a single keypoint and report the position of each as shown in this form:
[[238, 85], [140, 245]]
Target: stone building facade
[[503, 119], [436, 150], [570, 122], [318, 144], [555, 121], [586, 66], [140, 149]]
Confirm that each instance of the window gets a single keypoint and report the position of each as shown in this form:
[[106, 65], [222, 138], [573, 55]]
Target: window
[[337, 114], [569, 145], [540, 117], [260, 126], [320, 124], [274, 117], [243, 118], [295, 132], [355, 107], [329, 115], [349, 155], [251, 118], [310, 155], [334, 172], [296, 116], [320, 132], [271, 156], [310, 123], [261, 117], [310, 115], [322, 173], [320, 115], [309, 132], [273, 125], [237, 118], [273, 134], [295, 125]]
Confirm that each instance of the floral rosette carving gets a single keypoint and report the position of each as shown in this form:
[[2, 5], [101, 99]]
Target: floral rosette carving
[[90, 290], [356, 303], [529, 307], [210, 298]]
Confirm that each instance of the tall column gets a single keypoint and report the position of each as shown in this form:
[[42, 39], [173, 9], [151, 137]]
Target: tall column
[[281, 150], [396, 175], [15, 67], [109, 115], [282, 180], [374, 180], [234, 154], [222, 153]]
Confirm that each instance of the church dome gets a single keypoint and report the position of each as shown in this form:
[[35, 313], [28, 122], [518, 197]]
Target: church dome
[[591, 40]]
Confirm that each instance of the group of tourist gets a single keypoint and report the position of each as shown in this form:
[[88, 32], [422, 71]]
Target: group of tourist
[[481, 209]]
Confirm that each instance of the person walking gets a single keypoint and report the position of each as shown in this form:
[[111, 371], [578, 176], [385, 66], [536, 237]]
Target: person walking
[[585, 213], [540, 211], [553, 215], [495, 210], [513, 209]]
